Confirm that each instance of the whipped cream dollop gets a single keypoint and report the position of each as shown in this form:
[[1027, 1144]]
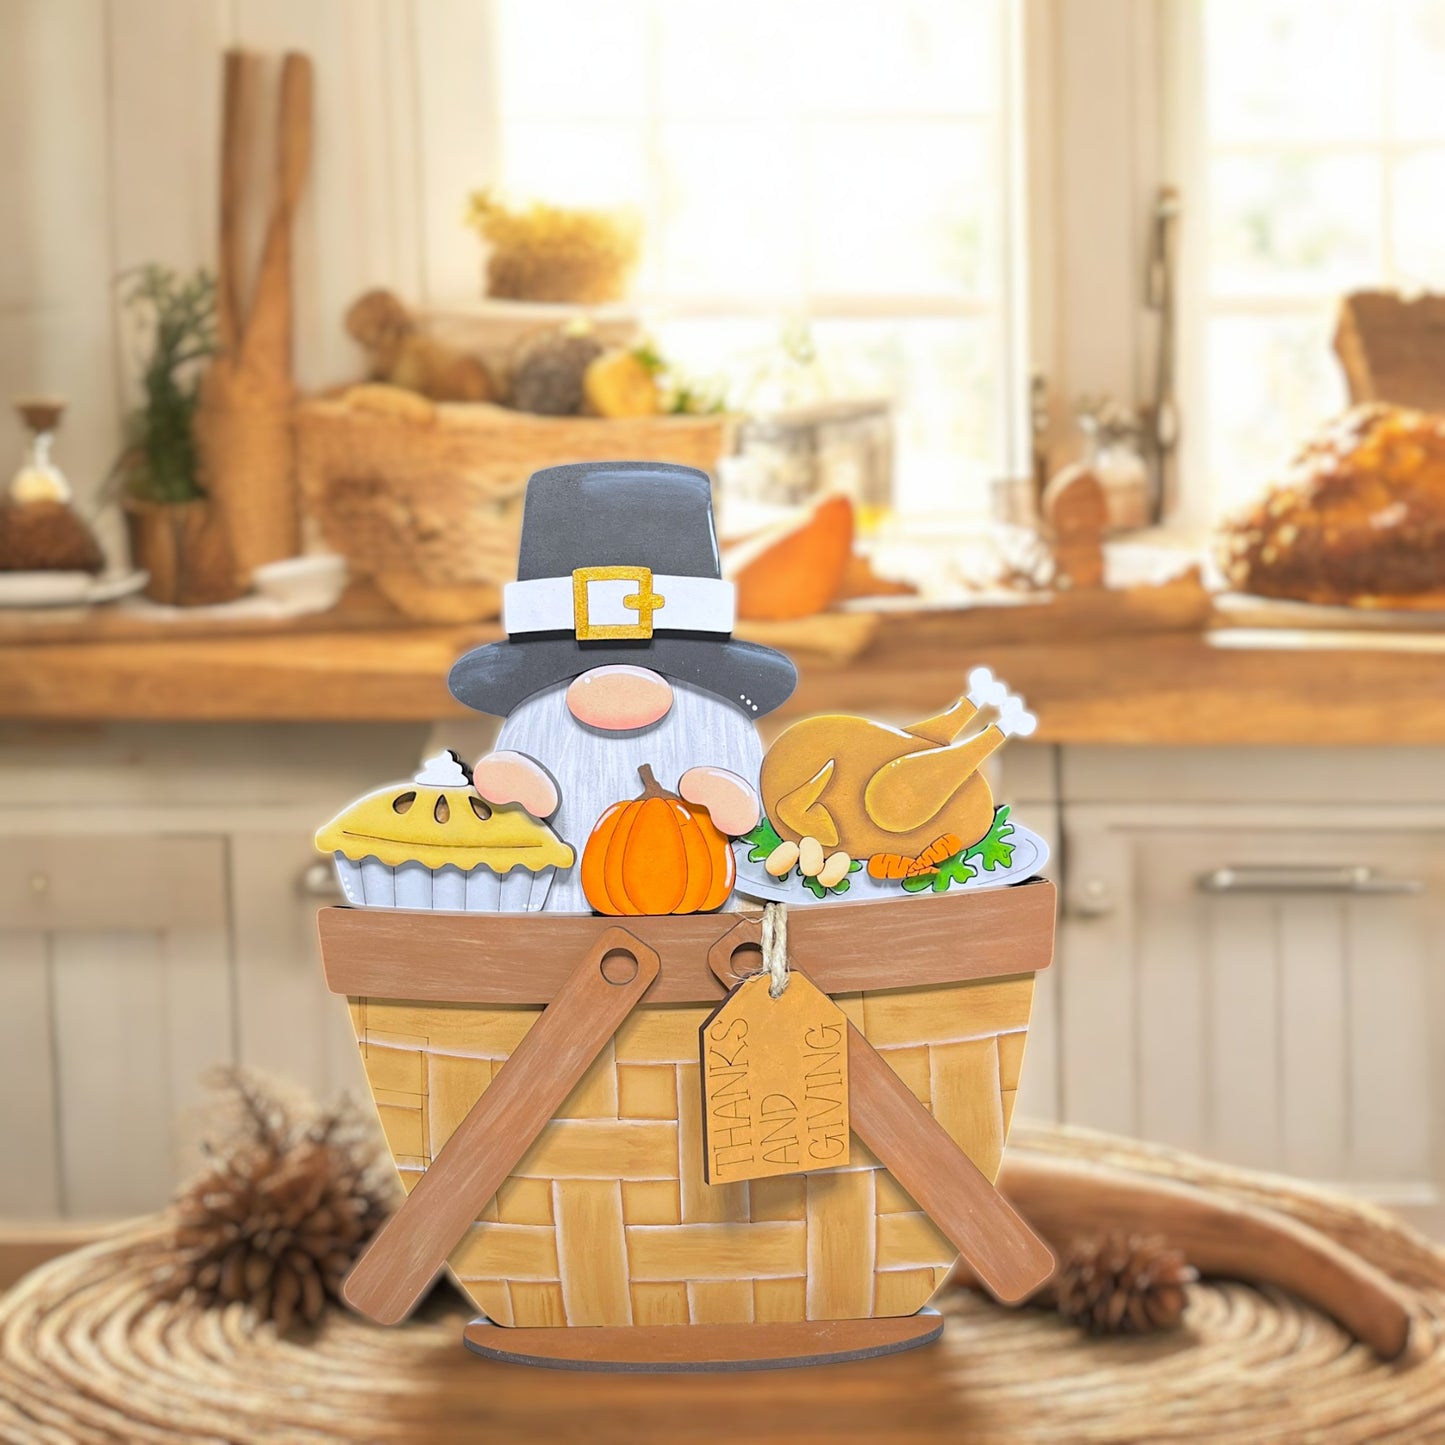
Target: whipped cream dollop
[[443, 771]]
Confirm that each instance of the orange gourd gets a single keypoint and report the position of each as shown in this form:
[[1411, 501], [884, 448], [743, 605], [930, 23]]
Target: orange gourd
[[656, 854], [795, 569]]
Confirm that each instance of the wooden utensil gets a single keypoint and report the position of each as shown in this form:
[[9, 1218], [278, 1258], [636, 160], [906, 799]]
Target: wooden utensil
[[1009, 1259], [243, 424], [501, 1126]]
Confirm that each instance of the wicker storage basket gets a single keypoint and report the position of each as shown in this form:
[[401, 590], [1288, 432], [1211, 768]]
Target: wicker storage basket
[[426, 499], [607, 1219]]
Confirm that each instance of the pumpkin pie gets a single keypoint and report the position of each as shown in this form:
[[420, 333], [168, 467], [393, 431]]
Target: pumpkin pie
[[434, 842]]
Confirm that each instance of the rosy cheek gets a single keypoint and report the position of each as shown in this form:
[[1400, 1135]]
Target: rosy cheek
[[619, 697]]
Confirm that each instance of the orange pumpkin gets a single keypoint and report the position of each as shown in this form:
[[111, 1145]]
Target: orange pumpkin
[[656, 854]]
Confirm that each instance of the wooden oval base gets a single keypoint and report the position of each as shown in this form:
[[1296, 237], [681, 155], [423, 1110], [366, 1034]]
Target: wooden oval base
[[692, 1349]]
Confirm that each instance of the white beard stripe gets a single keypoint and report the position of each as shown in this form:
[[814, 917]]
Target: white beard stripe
[[595, 769]]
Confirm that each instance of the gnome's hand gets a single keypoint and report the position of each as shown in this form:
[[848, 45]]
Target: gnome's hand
[[732, 802], [507, 777]]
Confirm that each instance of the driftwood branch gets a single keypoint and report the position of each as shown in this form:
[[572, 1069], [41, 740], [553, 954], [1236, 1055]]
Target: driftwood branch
[[1221, 1237]]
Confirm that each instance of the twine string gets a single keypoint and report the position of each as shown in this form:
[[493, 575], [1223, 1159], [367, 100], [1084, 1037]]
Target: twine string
[[775, 947]]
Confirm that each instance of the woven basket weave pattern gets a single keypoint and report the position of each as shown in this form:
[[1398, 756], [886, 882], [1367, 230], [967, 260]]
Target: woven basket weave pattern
[[607, 1219], [438, 490]]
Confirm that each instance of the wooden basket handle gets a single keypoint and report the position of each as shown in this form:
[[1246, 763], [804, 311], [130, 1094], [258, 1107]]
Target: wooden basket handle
[[400, 1262], [1010, 1260]]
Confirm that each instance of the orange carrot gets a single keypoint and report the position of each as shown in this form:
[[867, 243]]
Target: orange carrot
[[928, 860], [889, 865]]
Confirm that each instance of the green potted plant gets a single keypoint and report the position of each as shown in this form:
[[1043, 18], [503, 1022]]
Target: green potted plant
[[175, 532]]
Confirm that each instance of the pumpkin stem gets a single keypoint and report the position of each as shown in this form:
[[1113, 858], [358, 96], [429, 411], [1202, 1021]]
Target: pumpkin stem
[[651, 788]]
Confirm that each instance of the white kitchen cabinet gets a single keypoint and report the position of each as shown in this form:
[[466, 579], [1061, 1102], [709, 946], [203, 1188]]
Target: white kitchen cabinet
[[154, 923], [1258, 982], [114, 998]]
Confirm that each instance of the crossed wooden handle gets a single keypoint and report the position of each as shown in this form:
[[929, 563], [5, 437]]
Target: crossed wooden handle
[[598, 995]]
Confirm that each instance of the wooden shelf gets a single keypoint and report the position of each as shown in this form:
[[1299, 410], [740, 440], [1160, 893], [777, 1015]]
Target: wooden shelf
[[1167, 687]]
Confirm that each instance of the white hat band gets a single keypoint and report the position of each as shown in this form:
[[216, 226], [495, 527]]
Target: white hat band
[[599, 603]]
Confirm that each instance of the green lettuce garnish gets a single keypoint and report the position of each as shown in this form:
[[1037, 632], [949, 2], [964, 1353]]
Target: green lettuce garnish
[[764, 838]]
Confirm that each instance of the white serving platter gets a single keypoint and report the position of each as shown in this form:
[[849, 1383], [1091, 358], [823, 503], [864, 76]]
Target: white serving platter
[[1030, 854], [66, 589]]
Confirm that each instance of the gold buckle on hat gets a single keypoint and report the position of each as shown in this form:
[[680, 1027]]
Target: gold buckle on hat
[[644, 602]]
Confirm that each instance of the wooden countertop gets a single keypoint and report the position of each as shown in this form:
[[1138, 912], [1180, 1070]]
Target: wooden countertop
[[1183, 687]]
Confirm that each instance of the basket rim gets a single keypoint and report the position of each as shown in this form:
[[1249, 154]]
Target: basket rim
[[492, 958], [488, 415]]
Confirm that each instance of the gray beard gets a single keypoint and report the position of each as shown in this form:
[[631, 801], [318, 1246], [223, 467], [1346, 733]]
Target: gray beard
[[595, 768]]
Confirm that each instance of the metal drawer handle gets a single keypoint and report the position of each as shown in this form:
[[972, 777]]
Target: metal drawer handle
[[1355, 878], [318, 880]]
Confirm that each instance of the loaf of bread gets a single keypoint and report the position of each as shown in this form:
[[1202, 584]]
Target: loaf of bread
[[1358, 519]]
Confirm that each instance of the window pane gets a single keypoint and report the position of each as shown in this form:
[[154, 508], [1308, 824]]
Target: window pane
[[1419, 195], [558, 58], [569, 162], [908, 57], [1293, 223], [709, 348], [1272, 380], [733, 59], [885, 225], [732, 209], [943, 378], [1417, 65], [1280, 69]]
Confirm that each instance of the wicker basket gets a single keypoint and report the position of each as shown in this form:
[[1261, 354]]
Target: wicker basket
[[607, 1220], [426, 499]]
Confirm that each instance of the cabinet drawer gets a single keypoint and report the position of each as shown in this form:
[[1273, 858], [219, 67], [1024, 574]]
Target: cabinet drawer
[[118, 881]]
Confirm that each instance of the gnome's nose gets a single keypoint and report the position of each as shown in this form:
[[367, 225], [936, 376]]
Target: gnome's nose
[[619, 697]]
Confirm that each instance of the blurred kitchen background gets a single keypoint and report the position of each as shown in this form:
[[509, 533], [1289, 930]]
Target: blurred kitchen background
[[1051, 292]]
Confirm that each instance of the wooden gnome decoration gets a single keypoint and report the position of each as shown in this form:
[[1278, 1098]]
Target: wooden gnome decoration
[[619, 1096], [619, 657]]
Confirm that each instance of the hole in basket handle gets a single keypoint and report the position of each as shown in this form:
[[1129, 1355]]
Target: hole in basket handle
[[619, 966], [746, 959]]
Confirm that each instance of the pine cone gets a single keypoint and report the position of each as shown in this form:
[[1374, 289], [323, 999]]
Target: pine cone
[[281, 1213], [1122, 1284]]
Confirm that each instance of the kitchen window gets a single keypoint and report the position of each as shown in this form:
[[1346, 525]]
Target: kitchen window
[[955, 193], [835, 162], [1317, 167]]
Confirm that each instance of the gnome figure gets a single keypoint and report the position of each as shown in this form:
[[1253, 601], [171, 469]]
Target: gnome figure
[[620, 654]]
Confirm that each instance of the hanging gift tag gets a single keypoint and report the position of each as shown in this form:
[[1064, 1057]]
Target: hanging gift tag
[[774, 1082]]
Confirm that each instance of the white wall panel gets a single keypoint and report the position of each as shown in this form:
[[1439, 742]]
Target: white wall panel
[[456, 97], [56, 332]]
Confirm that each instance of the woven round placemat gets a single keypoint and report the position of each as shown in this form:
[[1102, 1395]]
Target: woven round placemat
[[87, 1354]]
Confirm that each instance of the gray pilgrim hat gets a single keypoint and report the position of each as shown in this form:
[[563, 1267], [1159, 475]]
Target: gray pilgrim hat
[[619, 564]]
